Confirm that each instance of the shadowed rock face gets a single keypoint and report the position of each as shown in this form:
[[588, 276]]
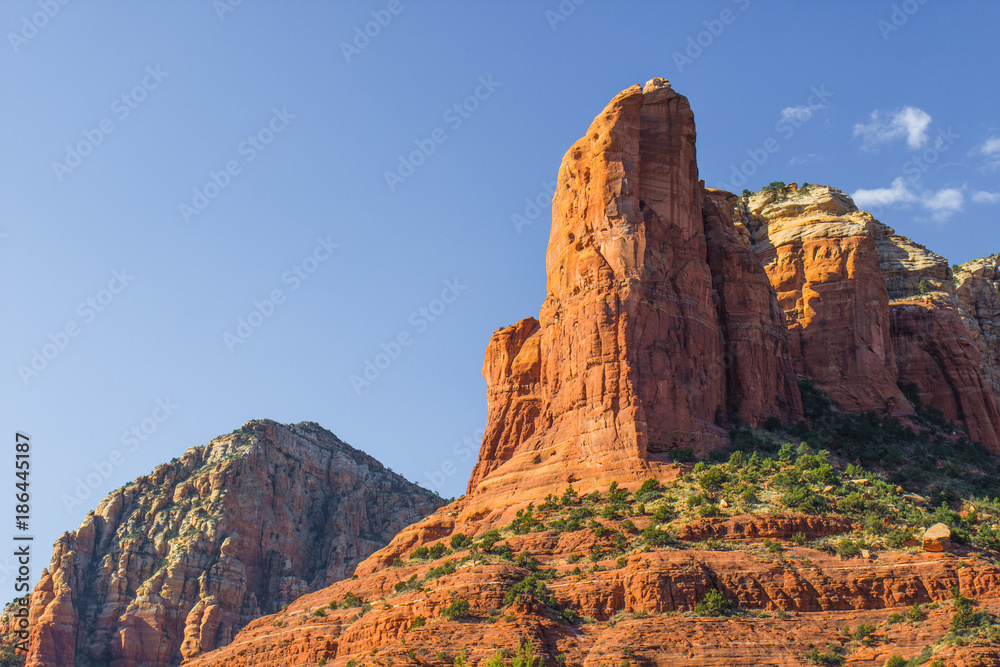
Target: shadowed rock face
[[175, 563], [867, 307], [936, 353], [978, 293], [820, 253], [659, 322]]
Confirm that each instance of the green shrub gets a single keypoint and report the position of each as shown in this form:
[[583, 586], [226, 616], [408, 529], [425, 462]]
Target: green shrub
[[848, 549], [447, 567], [830, 658], [655, 537], [525, 521], [965, 617], [460, 541], [713, 479], [897, 537], [616, 495], [805, 500], [915, 613], [650, 486], [457, 610], [896, 661], [709, 509], [713, 604], [682, 454], [530, 588], [489, 539], [874, 524], [418, 621]]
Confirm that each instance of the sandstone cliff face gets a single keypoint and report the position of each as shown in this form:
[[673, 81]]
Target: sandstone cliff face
[[978, 292], [175, 563], [513, 377], [936, 353], [908, 267], [659, 324], [939, 325], [867, 307], [821, 255], [760, 380]]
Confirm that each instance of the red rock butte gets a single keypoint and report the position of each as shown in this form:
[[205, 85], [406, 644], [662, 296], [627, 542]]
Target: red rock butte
[[659, 324]]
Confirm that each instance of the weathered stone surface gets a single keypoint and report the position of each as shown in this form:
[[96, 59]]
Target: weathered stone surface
[[759, 527], [937, 538], [978, 292], [936, 352], [907, 267], [820, 253], [659, 324], [174, 564], [640, 605], [513, 376], [760, 380]]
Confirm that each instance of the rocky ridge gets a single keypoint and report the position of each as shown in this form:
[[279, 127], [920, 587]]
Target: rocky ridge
[[870, 310], [176, 562]]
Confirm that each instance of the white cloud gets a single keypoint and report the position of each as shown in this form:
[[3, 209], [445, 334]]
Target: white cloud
[[910, 123], [802, 159], [984, 197], [991, 146], [941, 204], [897, 193], [800, 114]]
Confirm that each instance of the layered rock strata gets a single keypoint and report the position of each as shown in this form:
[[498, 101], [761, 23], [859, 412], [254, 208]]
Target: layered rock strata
[[659, 324], [821, 254], [175, 563]]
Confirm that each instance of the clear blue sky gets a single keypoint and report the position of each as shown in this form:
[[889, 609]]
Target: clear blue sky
[[323, 124]]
